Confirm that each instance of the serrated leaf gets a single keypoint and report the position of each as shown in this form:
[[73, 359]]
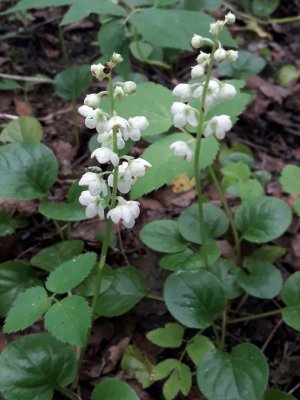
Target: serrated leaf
[[290, 179], [27, 309], [33, 366], [28, 170], [170, 336], [71, 273], [194, 297], [113, 389], [21, 130], [53, 256], [69, 320], [72, 82], [15, 277], [198, 346], [137, 365]]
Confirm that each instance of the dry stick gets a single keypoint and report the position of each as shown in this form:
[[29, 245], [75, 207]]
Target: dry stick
[[271, 336], [26, 78]]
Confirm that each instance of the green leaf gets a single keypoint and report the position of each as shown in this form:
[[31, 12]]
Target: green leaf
[[53, 256], [33, 366], [137, 366], [209, 5], [247, 65], [28, 170], [71, 273], [8, 84], [27, 309], [194, 297], [173, 262], [215, 222], [198, 346], [263, 280], [163, 159], [290, 179], [23, 129], [238, 152], [9, 224], [177, 32], [241, 375], [251, 189], [87, 287], [274, 394], [170, 336], [72, 82], [163, 236], [263, 219], [297, 207], [163, 369], [197, 260], [63, 211], [224, 270], [23, 5], [263, 8], [69, 320], [15, 277], [180, 380], [267, 253], [127, 289], [113, 389], [286, 75], [291, 297], [140, 50]]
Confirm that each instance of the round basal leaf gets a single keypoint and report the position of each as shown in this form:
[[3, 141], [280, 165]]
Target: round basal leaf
[[163, 236], [267, 253], [27, 309], [197, 260], [198, 346], [63, 212], [22, 129], [15, 277], [241, 375], [71, 273], [287, 74], [297, 207], [263, 8], [32, 366], [247, 65], [9, 224], [113, 389], [194, 297], [127, 289], [262, 279], [170, 336], [72, 82], [53, 256], [173, 262], [28, 170], [215, 222], [290, 179], [274, 394], [251, 189], [291, 297], [224, 270], [69, 320], [263, 219]]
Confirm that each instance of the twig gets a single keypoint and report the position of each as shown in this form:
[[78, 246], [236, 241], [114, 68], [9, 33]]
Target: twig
[[26, 78], [121, 246], [271, 336], [9, 116]]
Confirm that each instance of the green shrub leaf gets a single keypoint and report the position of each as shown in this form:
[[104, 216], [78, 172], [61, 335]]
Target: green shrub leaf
[[170, 336], [194, 297], [112, 389], [23, 129], [32, 366], [72, 82]]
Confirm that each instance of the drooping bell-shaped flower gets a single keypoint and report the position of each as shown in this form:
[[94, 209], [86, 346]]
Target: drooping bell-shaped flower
[[182, 150], [94, 204], [125, 212], [138, 166], [218, 126], [134, 127], [95, 183], [106, 139], [183, 114], [105, 155], [125, 178], [226, 92], [184, 91]]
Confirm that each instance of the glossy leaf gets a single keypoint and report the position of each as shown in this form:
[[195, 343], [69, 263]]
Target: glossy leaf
[[27, 309], [224, 270], [9, 224], [28, 170], [267, 253], [32, 366], [197, 260], [170, 336], [72, 82], [137, 365], [241, 375], [194, 297], [113, 389], [69, 320], [53, 256], [263, 219], [63, 211], [173, 262], [198, 346], [291, 297], [274, 394], [71, 273], [23, 129], [163, 236], [215, 222]]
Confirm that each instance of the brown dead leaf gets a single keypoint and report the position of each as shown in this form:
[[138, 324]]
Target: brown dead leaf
[[25, 207], [182, 183], [114, 354], [22, 109], [64, 151], [87, 230]]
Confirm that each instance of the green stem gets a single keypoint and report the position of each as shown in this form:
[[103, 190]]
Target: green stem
[[253, 317], [62, 44], [58, 230], [157, 298], [218, 340], [69, 229], [227, 211], [75, 127], [223, 335], [68, 393], [197, 174]]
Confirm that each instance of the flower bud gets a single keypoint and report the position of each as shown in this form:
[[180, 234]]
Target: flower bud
[[230, 18], [116, 58], [203, 58], [197, 41], [226, 92], [92, 100], [216, 27], [182, 150], [129, 87], [119, 93], [220, 55], [98, 71], [197, 71], [184, 91], [232, 56]]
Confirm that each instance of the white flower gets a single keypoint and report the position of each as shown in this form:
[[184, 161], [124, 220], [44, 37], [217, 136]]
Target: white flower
[[98, 71], [197, 41], [129, 87], [138, 166], [94, 204], [220, 55], [230, 18], [92, 100], [184, 91], [218, 126], [134, 127], [93, 118], [126, 212], [216, 27], [95, 183], [182, 150], [183, 114], [107, 140], [203, 58], [232, 56], [105, 155], [125, 178], [211, 95], [197, 71], [116, 122], [116, 58], [119, 93], [226, 92]]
